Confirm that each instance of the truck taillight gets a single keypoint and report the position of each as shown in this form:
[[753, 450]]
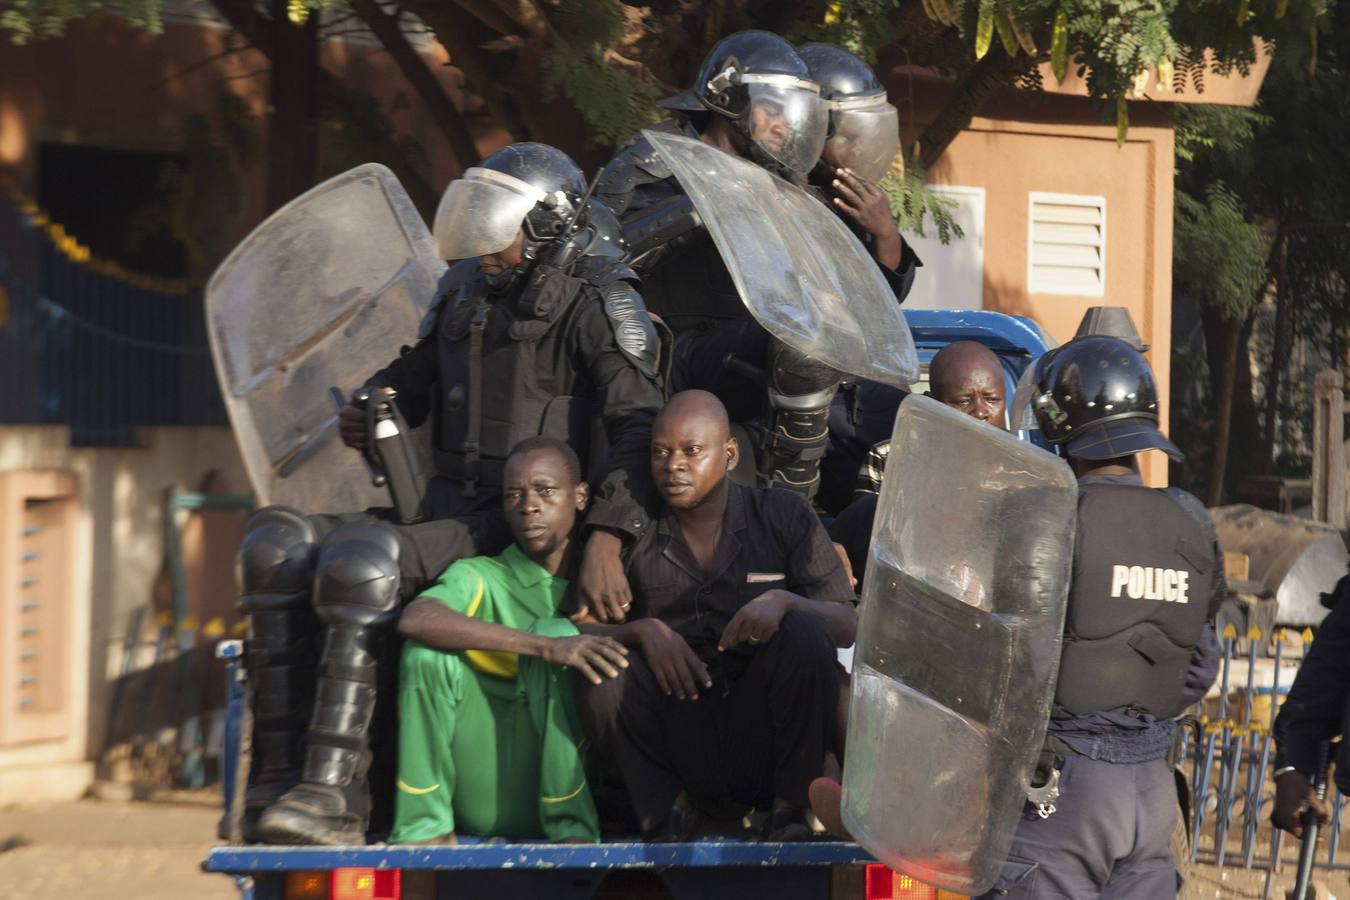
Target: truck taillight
[[885, 884], [367, 884], [306, 886]]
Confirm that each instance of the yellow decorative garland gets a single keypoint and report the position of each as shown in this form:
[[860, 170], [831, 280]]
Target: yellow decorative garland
[[73, 250]]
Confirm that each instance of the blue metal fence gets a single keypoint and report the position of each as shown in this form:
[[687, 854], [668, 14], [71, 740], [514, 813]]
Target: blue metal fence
[[84, 345]]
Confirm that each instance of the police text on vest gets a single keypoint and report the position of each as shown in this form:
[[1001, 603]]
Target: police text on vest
[[1151, 583]]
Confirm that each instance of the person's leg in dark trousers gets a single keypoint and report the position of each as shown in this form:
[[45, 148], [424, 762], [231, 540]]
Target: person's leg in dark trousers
[[796, 674], [1108, 837], [624, 719]]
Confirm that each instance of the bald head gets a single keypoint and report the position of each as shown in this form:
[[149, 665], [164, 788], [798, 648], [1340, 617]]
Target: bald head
[[692, 449], [696, 407], [967, 376]]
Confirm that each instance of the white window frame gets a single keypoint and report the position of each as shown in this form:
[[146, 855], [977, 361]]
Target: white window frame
[[1096, 202]]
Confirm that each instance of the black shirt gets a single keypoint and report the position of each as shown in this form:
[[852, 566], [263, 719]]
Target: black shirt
[[771, 539], [1317, 699]]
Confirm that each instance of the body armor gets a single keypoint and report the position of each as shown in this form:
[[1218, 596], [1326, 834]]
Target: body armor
[[1138, 605]]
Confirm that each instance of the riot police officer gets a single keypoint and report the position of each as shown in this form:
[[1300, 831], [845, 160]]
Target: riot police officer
[[862, 141], [1139, 643], [540, 330], [754, 98]]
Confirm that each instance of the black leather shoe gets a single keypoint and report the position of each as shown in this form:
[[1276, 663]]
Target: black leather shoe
[[311, 814]]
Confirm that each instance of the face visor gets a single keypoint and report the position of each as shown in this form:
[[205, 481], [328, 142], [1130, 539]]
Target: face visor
[[864, 136], [786, 118], [482, 213]]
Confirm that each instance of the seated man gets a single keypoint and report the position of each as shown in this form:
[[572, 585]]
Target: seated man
[[965, 375], [739, 604], [482, 689]]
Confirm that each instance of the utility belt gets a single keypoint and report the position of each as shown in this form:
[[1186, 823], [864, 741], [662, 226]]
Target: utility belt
[[1044, 788], [485, 474]]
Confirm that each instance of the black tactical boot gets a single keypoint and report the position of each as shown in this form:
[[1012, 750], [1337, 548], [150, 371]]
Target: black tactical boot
[[356, 596], [277, 562]]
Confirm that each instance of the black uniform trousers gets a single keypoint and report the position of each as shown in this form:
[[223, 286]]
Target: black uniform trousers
[[759, 733]]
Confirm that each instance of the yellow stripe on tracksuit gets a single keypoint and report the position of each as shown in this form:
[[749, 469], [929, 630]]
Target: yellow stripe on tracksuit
[[490, 662]]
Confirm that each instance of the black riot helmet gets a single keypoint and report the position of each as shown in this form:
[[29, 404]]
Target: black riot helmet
[[757, 81], [531, 187], [864, 129], [1096, 396]]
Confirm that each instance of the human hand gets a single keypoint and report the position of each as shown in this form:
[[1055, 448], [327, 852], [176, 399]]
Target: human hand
[[594, 657], [601, 583], [352, 426], [1294, 794], [677, 668], [866, 204], [757, 621]]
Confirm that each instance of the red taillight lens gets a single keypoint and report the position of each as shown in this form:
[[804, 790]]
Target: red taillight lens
[[367, 884], [884, 884]]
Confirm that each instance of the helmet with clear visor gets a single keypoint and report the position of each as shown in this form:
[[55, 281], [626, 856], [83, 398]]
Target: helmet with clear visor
[[864, 129], [526, 187], [757, 81]]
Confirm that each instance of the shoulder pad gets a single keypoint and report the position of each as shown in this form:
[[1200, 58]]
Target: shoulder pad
[[636, 164], [633, 329], [452, 282], [603, 270]]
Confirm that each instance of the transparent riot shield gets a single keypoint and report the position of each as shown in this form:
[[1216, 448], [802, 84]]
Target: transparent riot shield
[[318, 297], [799, 270], [958, 645]]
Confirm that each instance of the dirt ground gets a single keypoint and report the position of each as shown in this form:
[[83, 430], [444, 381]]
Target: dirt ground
[[110, 850], [152, 851]]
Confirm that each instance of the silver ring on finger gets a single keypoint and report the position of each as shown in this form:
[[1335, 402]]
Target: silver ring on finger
[[753, 639], [625, 606]]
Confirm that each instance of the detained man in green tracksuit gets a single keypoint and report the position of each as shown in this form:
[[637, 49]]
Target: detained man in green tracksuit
[[488, 735]]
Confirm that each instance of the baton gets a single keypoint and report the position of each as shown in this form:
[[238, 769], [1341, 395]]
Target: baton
[[1308, 848]]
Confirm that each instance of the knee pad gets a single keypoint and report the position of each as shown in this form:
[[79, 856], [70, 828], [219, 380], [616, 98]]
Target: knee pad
[[357, 579], [806, 382], [276, 560]]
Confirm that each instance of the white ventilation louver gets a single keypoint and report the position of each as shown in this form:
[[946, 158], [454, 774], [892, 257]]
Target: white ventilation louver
[[1066, 245]]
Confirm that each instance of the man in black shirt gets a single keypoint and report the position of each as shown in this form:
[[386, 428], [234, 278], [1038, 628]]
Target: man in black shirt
[[739, 603]]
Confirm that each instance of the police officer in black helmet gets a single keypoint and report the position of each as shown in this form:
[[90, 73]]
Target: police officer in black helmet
[[539, 330], [862, 142], [1139, 644], [754, 98]]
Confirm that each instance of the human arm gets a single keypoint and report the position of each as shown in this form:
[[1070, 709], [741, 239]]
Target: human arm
[[1204, 668], [678, 670], [436, 625], [815, 582], [868, 206], [624, 377]]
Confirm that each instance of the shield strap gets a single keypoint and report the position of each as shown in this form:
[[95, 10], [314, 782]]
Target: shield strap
[[474, 431]]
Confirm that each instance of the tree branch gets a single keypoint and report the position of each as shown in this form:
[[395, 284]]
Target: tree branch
[[991, 74], [428, 87]]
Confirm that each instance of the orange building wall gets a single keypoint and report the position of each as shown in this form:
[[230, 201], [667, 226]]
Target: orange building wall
[[1059, 144]]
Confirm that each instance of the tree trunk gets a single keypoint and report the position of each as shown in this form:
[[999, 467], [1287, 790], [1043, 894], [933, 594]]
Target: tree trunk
[[293, 101], [423, 80], [1279, 353], [1223, 413]]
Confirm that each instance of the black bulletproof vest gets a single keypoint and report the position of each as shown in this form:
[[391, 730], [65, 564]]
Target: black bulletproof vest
[[1143, 576], [507, 373]]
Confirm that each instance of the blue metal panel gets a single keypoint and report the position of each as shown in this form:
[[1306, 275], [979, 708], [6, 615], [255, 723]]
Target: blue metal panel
[[485, 855], [1000, 332]]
